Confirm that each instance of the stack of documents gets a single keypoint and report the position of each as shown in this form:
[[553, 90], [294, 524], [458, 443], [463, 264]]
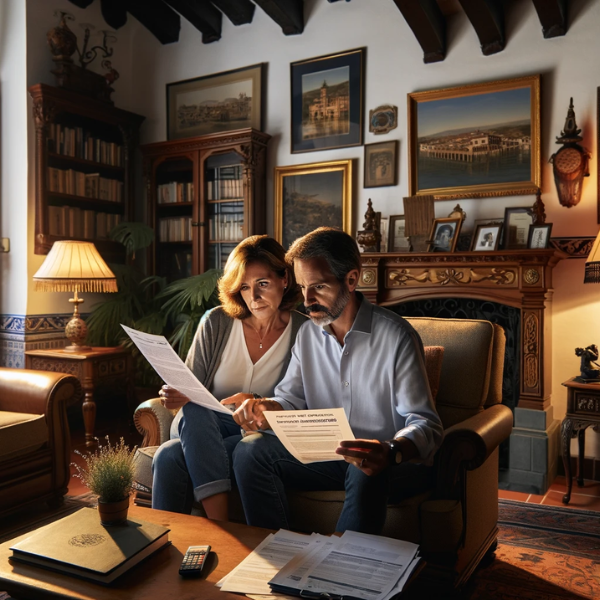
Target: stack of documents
[[354, 566]]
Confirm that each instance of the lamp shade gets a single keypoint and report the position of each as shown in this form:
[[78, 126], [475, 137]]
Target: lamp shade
[[592, 264], [73, 266]]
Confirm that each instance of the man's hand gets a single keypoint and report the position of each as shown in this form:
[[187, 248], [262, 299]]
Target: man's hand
[[172, 398], [370, 456], [249, 410]]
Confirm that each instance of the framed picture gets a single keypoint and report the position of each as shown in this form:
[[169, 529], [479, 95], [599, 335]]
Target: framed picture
[[383, 119], [444, 234], [311, 196], [397, 241], [517, 221], [214, 103], [327, 101], [539, 236], [486, 237], [476, 140], [381, 164]]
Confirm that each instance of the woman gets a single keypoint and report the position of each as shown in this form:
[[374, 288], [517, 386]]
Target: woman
[[244, 344]]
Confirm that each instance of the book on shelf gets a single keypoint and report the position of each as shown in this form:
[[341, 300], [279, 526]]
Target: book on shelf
[[175, 192], [87, 185], [175, 229], [224, 182], [75, 222], [79, 545], [226, 222]]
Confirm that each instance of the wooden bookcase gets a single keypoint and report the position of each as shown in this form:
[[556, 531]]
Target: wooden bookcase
[[205, 194], [84, 168]]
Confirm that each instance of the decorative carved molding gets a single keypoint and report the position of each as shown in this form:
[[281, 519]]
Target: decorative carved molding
[[43, 113], [577, 247], [55, 366], [587, 403], [368, 277], [531, 349], [531, 276], [513, 256], [458, 276]]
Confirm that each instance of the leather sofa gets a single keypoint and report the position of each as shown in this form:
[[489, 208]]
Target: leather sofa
[[455, 522], [35, 444]]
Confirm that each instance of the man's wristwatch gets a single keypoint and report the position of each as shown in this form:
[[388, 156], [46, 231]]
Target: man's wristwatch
[[395, 452]]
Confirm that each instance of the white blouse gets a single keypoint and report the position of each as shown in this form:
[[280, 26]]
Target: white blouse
[[237, 373]]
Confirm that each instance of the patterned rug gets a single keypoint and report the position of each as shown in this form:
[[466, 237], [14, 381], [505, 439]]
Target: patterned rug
[[544, 553]]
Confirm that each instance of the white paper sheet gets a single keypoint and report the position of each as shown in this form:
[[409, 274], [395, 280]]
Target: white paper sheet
[[172, 370], [311, 435], [253, 574]]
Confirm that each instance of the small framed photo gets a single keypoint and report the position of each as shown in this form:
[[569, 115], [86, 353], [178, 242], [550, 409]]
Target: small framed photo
[[486, 237], [539, 236], [444, 234], [517, 221], [397, 240], [381, 164]]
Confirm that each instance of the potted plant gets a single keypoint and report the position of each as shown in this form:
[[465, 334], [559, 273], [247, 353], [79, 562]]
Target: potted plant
[[109, 473]]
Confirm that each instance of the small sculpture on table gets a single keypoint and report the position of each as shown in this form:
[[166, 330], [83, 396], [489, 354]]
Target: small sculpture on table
[[588, 357], [370, 237]]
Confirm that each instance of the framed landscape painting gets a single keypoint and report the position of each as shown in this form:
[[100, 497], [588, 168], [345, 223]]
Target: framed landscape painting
[[214, 103], [327, 101], [476, 140], [311, 196]]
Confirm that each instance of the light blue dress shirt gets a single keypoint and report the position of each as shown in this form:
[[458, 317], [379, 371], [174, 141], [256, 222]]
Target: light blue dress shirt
[[378, 377]]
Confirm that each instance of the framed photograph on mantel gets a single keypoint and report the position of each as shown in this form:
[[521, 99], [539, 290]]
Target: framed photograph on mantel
[[397, 240], [517, 221], [476, 141], [327, 101], [311, 196], [215, 103]]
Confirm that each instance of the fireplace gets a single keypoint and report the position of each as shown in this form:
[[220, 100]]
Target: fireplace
[[512, 288]]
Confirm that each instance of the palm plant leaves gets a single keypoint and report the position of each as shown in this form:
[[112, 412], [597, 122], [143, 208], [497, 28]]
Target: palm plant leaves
[[134, 236]]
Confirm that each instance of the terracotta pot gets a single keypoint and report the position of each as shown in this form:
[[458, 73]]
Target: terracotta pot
[[113, 513]]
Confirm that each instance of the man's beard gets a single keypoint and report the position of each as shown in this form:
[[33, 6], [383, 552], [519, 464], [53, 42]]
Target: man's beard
[[330, 314]]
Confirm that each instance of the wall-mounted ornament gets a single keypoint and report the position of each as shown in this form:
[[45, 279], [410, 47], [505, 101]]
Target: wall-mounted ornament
[[370, 237], [570, 163], [383, 119]]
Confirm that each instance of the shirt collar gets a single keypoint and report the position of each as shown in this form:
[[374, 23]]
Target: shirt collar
[[363, 319]]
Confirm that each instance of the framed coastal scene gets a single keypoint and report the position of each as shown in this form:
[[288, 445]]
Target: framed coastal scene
[[476, 140], [310, 196]]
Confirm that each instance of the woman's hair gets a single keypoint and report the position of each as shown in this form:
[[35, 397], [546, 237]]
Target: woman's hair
[[255, 249]]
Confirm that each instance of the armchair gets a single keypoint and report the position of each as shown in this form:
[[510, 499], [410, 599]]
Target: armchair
[[35, 444], [455, 523]]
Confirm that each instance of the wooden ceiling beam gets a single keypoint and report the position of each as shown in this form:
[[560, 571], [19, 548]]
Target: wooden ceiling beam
[[288, 14], [114, 13], [239, 12], [202, 15], [553, 16], [428, 24], [487, 18], [162, 22]]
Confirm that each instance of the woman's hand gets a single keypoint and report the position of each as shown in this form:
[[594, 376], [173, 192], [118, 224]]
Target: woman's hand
[[249, 410], [171, 398], [370, 456]]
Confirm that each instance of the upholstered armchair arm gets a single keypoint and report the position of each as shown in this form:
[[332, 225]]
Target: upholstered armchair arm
[[153, 421], [37, 392], [468, 444]]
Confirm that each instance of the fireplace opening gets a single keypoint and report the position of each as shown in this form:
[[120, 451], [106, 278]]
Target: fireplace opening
[[508, 317]]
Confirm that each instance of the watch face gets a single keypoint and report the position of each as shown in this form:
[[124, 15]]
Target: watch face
[[568, 160]]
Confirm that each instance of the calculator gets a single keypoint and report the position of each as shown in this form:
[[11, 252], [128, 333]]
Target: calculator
[[193, 561]]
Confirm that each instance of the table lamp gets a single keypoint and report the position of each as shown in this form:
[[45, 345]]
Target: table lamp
[[592, 263], [74, 266]]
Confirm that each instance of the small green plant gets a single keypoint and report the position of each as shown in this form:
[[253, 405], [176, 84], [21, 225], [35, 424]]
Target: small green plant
[[109, 471]]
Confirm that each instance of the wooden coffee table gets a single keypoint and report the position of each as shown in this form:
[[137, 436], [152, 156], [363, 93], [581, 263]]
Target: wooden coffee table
[[155, 578]]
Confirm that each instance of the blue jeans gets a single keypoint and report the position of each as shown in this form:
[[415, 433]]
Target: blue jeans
[[198, 464], [264, 468]]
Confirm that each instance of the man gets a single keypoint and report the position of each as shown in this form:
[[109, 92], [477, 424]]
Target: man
[[354, 355]]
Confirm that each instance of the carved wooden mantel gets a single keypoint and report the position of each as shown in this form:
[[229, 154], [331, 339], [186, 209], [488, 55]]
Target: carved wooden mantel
[[519, 278]]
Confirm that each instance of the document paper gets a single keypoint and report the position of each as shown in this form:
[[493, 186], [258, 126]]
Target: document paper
[[172, 370], [311, 435]]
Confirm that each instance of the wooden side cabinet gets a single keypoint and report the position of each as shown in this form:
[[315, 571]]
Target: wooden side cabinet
[[583, 411], [107, 368]]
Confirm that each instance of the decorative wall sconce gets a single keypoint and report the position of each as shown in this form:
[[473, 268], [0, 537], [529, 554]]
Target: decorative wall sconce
[[570, 163]]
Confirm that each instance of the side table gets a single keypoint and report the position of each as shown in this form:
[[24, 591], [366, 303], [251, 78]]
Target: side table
[[95, 368], [583, 411]]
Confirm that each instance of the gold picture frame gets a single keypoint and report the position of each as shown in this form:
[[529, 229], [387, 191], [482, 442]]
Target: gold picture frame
[[312, 195], [475, 141]]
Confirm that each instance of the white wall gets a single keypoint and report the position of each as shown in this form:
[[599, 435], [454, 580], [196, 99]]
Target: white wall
[[13, 156], [395, 68]]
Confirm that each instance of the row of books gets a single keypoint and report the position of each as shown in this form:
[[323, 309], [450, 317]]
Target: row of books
[[226, 227], [76, 142], [224, 183], [218, 255], [74, 222], [88, 185], [175, 229], [174, 192]]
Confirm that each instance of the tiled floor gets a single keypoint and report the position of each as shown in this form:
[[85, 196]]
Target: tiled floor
[[586, 497]]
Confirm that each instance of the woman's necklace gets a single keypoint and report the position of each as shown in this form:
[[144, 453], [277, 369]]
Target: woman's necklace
[[260, 337]]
